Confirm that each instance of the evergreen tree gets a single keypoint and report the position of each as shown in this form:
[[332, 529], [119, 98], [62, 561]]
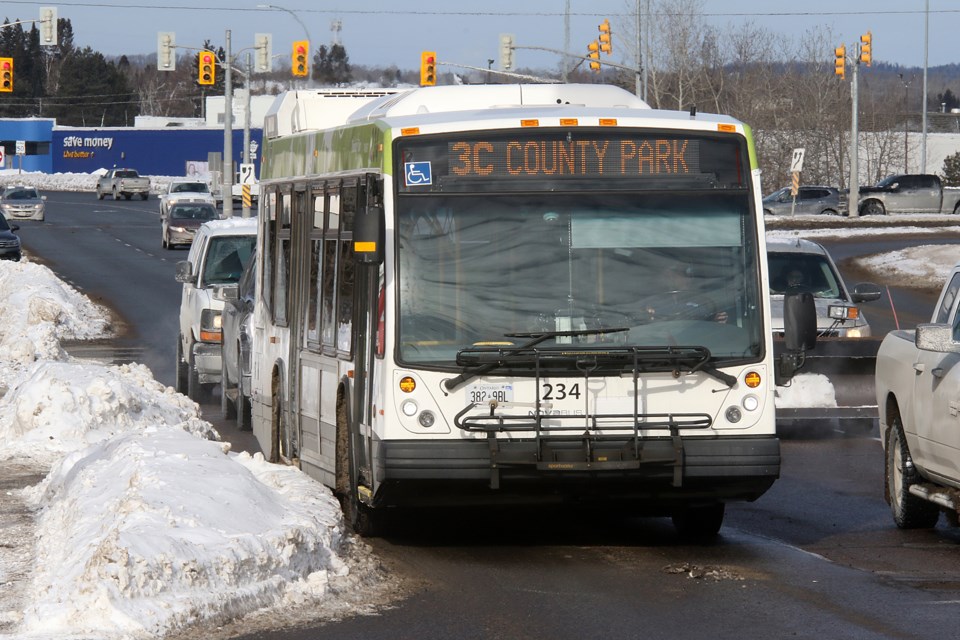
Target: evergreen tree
[[93, 92], [951, 170], [331, 66]]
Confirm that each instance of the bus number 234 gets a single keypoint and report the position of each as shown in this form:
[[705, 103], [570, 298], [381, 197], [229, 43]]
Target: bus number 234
[[559, 391]]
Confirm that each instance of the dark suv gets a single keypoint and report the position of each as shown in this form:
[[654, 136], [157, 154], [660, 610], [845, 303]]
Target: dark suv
[[809, 201]]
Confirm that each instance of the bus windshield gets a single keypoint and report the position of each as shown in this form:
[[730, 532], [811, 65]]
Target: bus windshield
[[675, 267]]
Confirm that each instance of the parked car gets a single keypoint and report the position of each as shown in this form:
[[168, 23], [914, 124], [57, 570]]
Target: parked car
[[811, 200], [180, 223], [220, 251], [9, 241], [22, 203], [236, 346], [184, 191], [804, 265]]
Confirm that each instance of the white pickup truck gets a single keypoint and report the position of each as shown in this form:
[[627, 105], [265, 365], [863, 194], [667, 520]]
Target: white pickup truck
[[918, 397]]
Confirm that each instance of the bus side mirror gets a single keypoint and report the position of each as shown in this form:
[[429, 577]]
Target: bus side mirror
[[799, 333], [368, 230]]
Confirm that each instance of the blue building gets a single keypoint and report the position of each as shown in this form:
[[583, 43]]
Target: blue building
[[162, 151]]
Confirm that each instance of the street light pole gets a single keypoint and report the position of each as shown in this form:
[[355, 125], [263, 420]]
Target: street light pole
[[295, 16], [906, 122]]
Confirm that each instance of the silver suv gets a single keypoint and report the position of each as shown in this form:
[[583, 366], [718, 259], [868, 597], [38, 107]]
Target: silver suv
[[218, 255], [813, 200]]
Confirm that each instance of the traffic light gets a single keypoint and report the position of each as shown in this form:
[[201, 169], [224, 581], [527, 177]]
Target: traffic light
[[48, 26], [840, 63], [506, 51], [866, 46], [263, 43], [166, 58], [6, 75], [207, 68], [301, 66], [606, 44], [594, 55], [428, 68]]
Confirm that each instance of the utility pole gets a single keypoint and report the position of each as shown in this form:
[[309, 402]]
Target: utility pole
[[245, 209], [227, 185]]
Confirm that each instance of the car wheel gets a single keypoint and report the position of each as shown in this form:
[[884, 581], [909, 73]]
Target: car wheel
[[182, 370], [829, 212], [99, 194], [144, 196], [127, 196], [116, 196], [195, 390], [873, 208], [227, 408], [909, 511]]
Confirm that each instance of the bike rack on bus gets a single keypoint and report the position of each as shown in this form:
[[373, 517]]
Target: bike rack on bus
[[598, 360]]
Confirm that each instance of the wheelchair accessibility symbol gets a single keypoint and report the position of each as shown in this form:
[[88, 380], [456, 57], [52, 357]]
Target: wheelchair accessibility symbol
[[417, 173]]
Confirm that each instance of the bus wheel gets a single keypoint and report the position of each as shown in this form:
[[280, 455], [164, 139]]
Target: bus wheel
[[284, 447], [362, 519], [700, 523]]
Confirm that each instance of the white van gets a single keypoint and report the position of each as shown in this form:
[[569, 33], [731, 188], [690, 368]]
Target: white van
[[218, 255]]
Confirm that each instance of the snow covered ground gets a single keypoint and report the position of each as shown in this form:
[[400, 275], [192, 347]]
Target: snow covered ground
[[135, 520], [143, 523]]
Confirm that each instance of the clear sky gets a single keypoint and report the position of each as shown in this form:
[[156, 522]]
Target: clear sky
[[378, 32]]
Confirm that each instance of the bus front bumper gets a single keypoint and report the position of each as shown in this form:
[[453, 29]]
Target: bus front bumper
[[663, 471]]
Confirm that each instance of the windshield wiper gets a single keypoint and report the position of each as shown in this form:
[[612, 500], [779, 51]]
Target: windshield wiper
[[536, 338]]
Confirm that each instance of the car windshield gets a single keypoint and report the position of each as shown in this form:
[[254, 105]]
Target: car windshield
[[190, 187], [227, 257], [21, 194], [799, 272], [126, 174], [193, 213]]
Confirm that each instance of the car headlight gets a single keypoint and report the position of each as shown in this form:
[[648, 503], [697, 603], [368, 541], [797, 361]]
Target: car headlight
[[210, 323], [178, 229]]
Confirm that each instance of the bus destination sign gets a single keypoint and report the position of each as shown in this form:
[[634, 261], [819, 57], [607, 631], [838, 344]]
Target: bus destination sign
[[586, 158]]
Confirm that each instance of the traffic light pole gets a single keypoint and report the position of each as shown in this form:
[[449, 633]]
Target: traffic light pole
[[853, 200], [587, 58]]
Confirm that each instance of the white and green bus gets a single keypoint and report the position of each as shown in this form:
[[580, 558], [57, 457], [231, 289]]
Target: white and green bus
[[514, 293]]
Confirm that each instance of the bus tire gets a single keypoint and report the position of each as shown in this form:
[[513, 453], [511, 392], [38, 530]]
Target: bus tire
[[363, 520], [284, 448], [699, 522], [909, 511]]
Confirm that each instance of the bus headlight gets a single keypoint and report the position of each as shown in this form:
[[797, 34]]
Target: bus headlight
[[750, 403], [409, 408], [426, 419]]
